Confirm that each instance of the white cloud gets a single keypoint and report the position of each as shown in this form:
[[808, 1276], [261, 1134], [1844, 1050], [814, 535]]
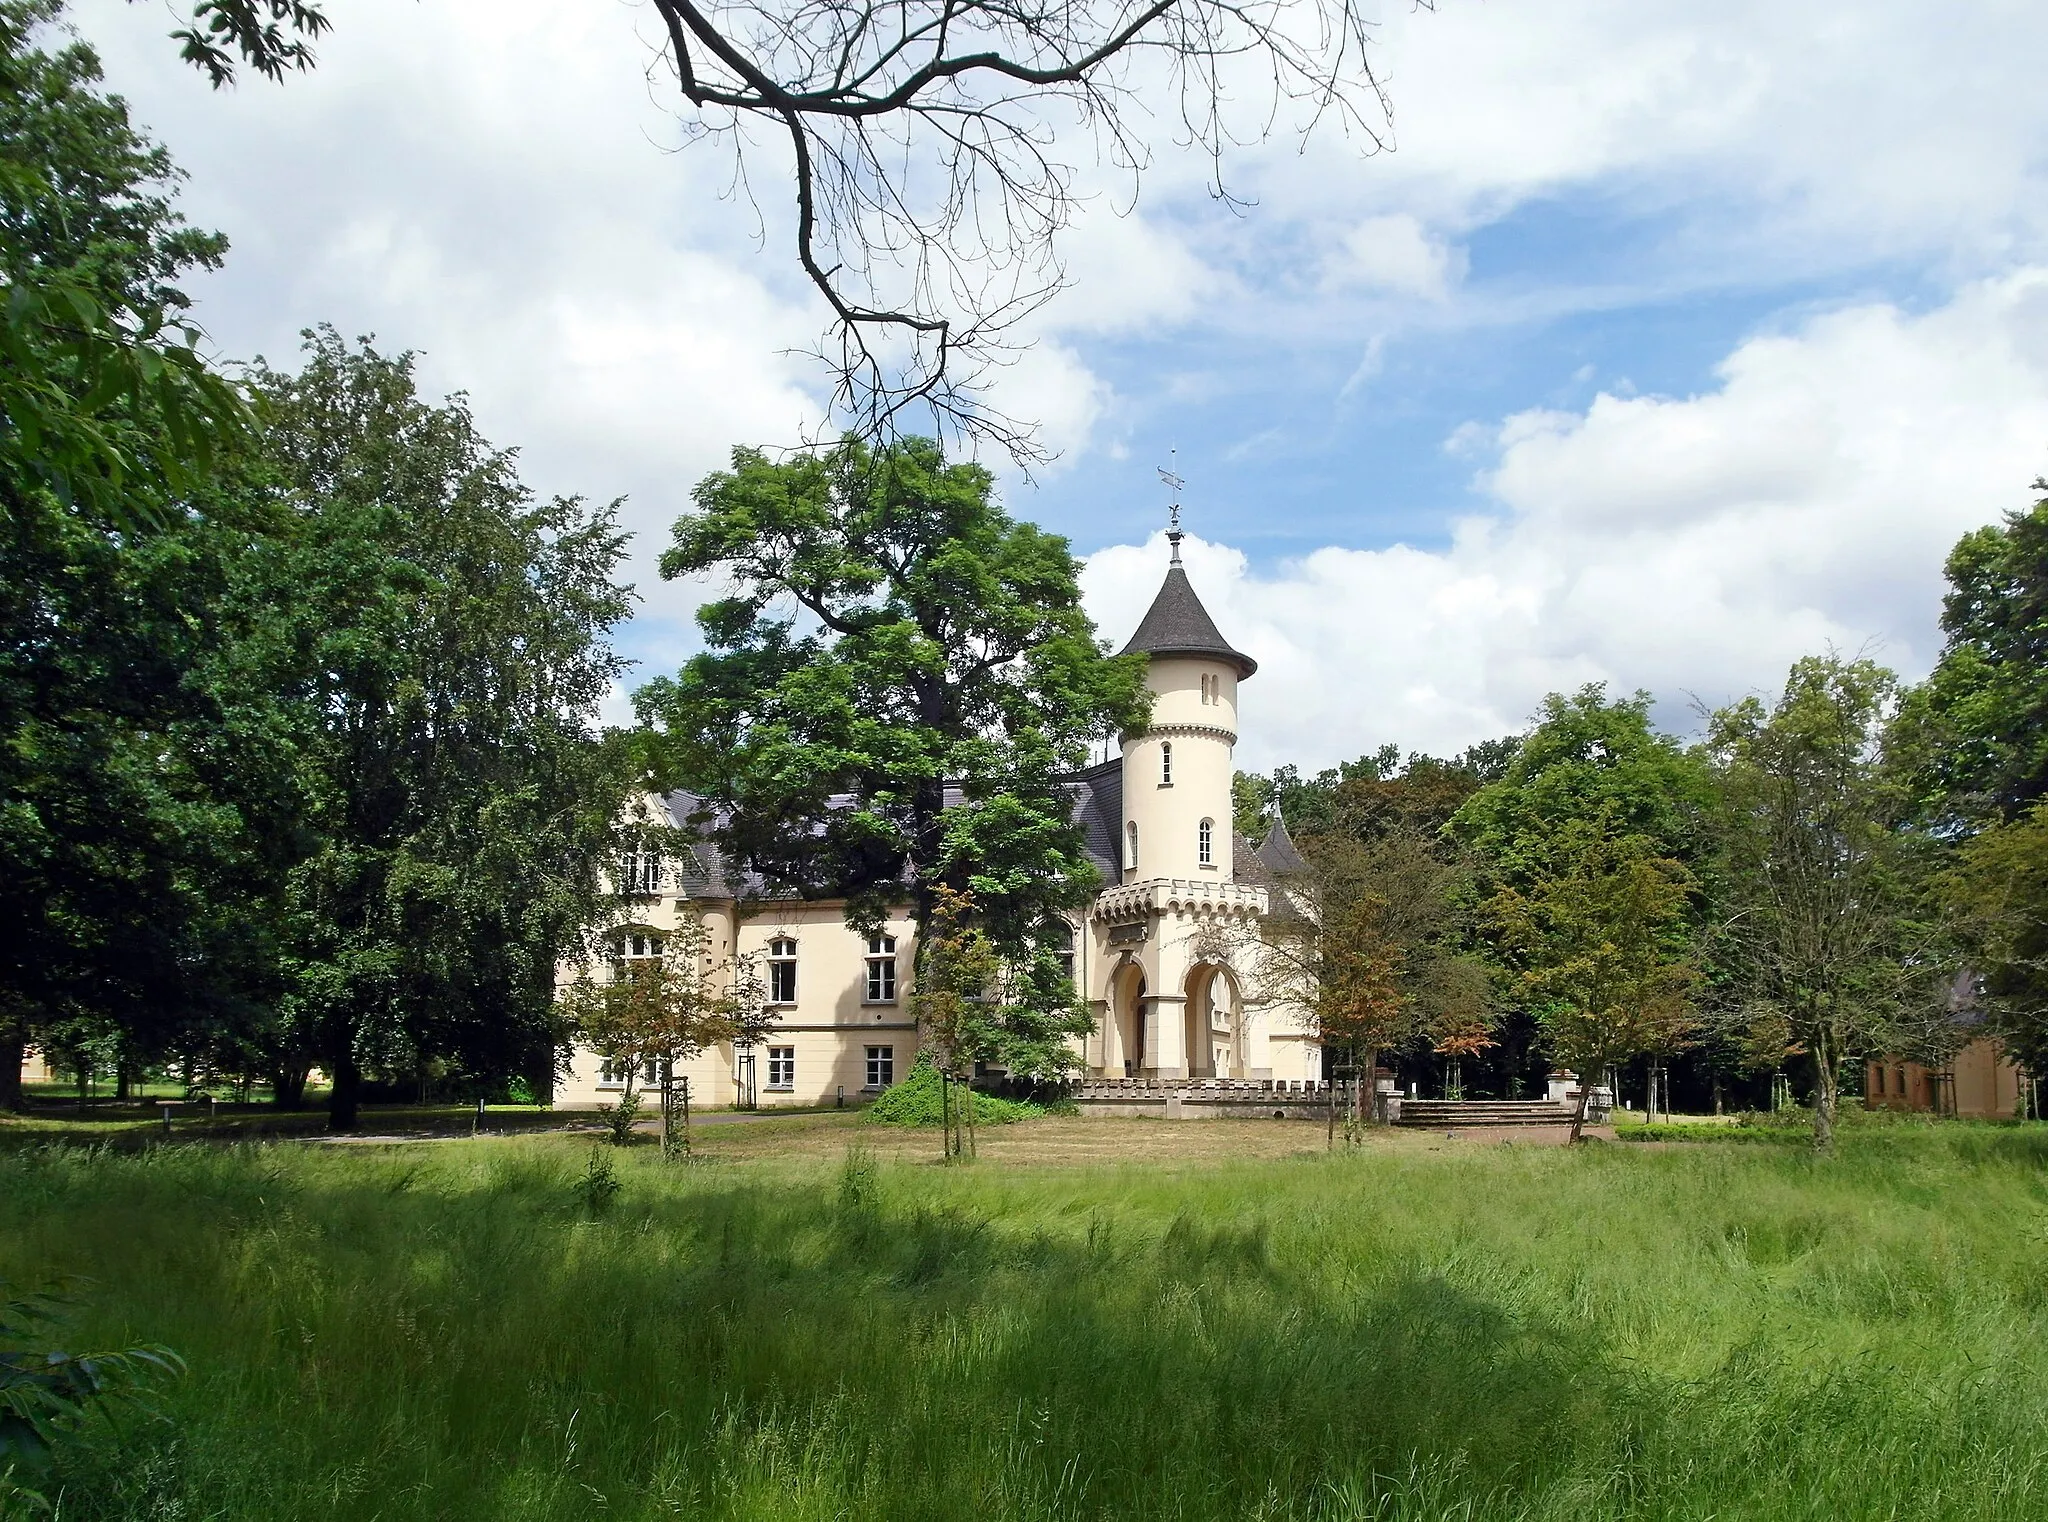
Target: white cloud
[[1396, 254], [1692, 546]]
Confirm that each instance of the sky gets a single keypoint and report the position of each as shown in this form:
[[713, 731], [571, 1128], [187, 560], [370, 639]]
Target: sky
[[1672, 342]]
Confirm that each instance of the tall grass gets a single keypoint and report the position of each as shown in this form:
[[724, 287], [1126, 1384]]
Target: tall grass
[[1727, 1332]]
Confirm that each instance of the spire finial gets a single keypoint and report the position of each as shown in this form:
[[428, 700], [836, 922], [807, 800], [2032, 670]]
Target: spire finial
[[1173, 534]]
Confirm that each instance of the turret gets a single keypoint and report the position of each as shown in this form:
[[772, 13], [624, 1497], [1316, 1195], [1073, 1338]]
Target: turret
[[1178, 769]]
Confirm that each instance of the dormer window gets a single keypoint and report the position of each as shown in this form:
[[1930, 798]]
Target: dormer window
[[640, 874], [1166, 763], [1205, 843]]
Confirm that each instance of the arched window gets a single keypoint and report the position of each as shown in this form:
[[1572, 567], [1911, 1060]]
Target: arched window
[[881, 969], [1166, 763], [1131, 846], [782, 971], [1205, 843], [1208, 688], [1062, 938]]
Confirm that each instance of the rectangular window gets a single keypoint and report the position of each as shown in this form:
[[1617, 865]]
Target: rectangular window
[[881, 969], [782, 1067], [642, 874], [611, 1074], [782, 971], [881, 1066]]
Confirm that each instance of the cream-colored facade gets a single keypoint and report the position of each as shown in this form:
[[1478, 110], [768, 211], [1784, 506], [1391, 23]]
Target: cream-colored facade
[[1152, 955]]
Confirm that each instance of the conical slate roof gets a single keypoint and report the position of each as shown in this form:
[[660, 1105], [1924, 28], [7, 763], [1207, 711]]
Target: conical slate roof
[[1178, 624], [1278, 851]]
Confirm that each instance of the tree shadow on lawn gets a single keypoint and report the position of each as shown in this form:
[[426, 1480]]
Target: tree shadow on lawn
[[764, 1350], [408, 1338]]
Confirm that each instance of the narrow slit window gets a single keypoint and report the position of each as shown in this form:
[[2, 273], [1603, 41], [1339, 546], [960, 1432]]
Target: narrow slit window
[[1166, 763], [1205, 843], [1131, 846]]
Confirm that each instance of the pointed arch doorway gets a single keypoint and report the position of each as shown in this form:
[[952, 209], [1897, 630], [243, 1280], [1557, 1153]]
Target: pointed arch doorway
[[1214, 1015], [1126, 1031]]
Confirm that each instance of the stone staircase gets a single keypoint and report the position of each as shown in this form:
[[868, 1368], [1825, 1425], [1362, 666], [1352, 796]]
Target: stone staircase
[[1462, 1114]]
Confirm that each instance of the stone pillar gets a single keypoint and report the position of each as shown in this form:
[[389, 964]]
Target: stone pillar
[[1165, 1036]]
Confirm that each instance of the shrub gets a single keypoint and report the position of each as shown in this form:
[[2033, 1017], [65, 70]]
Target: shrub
[[917, 1099], [619, 1119], [599, 1185]]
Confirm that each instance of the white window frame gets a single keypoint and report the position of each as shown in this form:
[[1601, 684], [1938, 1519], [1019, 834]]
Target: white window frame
[[1130, 845], [1166, 763], [1205, 842], [782, 1064], [781, 965], [881, 1069], [611, 1073], [880, 987], [642, 874]]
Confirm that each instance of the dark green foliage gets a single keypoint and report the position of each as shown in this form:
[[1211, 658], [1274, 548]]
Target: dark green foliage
[[915, 1101], [440, 639], [47, 1394], [1980, 723], [1588, 757], [620, 1117], [270, 36], [599, 1186], [131, 777]]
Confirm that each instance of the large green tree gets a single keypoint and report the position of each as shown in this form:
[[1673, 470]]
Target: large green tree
[[1980, 721], [439, 636], [1592, 771], [1823, 933], [1977, 730], [895, 690], [1598, 938], [124, 846]]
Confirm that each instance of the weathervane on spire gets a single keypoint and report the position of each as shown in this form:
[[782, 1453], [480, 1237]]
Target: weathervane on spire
[[1173, 534]]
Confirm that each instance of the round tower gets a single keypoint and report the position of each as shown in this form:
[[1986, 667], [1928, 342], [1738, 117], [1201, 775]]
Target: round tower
[[1177, 770]]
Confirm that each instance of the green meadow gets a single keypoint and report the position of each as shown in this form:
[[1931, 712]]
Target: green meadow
[[444, 1330]]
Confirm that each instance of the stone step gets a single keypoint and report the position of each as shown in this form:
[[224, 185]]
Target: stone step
[[1450, 1113]]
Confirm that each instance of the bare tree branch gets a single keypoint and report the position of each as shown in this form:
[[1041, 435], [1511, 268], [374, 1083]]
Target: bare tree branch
[[930, 153]]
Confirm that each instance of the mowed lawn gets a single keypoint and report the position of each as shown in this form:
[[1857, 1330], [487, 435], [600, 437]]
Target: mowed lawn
[[1097, 1319]]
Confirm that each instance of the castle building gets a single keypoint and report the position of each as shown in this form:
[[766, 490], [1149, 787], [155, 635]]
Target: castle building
[[1155, 955]]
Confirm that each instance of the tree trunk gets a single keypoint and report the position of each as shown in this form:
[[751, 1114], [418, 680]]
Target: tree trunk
[[124, 1081], [13, 1053], [343, 1100], [288, 1086], [1824, 1097], [1579, 1115]]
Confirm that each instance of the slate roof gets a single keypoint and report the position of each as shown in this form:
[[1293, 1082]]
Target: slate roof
[[1279, 852], [1099, 810], [703, 871], [1178, 624]]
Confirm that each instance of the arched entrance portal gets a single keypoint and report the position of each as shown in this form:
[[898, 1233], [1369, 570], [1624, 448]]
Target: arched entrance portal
[[1214, 1033], [1126, 1030]]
